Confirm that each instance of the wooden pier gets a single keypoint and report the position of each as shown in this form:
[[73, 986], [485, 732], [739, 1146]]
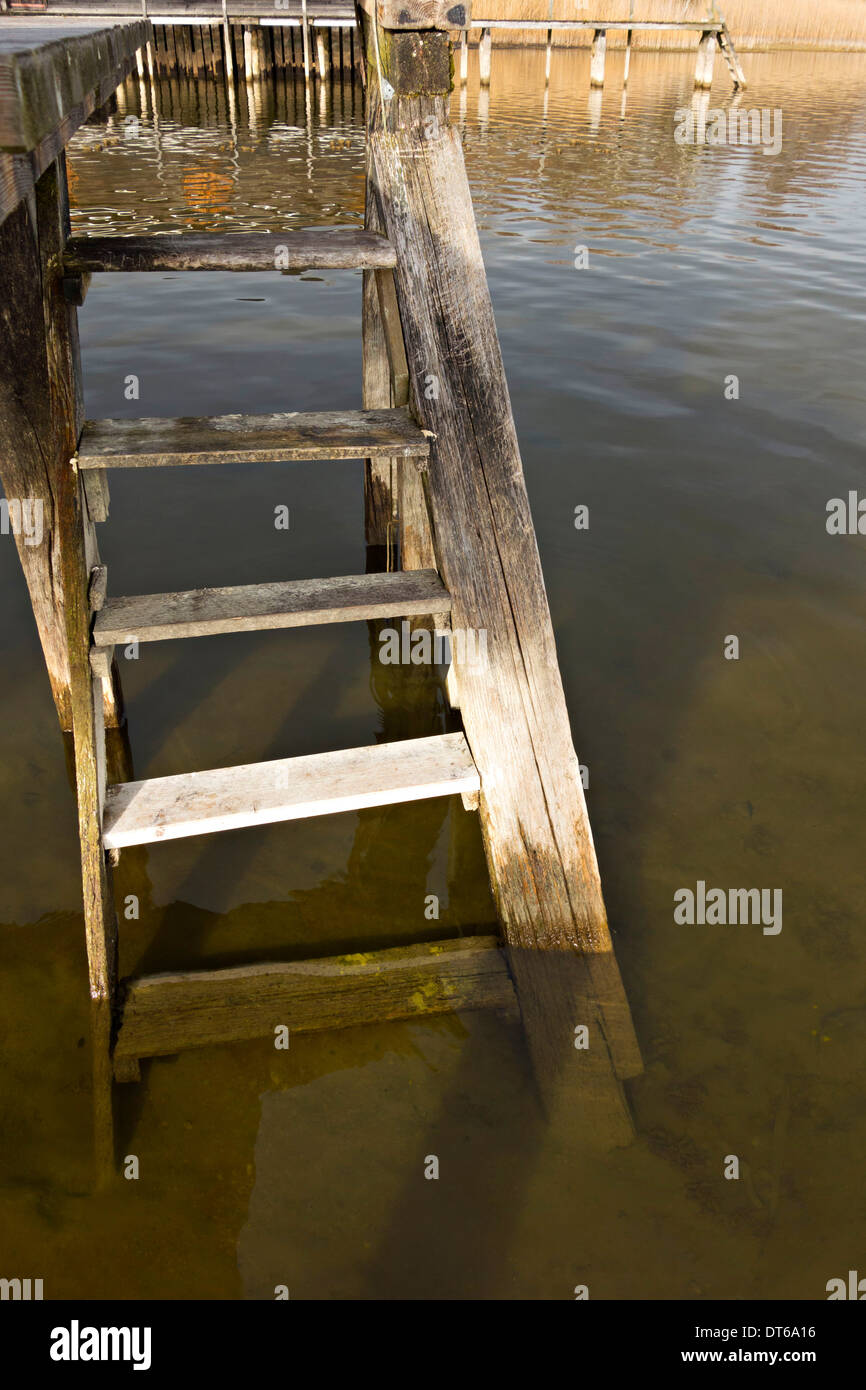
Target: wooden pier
[[321, 37], [450, 543], [712, 34]]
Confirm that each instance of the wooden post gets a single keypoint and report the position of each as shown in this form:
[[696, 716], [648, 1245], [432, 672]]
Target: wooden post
[[248, 55], [547, 56], [596, 67], [464, 58], [628, 39], [485, 49], [75, 536], [706, 59], [27, 466], [321, 54], [536, 831], [380, 476], [228, 48], [306, 29]]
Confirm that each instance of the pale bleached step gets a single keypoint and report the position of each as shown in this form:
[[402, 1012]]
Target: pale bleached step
[[325, 434], [228, 798], [308, 248], [163, 1014], [255, 607]]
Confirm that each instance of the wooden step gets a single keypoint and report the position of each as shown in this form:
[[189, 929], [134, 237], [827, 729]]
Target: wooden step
[[255, 607], [164, 1014], [310, 248], [227, 798], [331, 434]]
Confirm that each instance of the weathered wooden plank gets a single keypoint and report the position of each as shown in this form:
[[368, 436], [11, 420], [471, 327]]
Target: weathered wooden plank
[[228, 798], [97, 494], [19, 172], [164, 1014], [148, 443], [537, 835], [419, 14], [46, 72], [313, 248], [27, 465], [380, 474], [257, 607]]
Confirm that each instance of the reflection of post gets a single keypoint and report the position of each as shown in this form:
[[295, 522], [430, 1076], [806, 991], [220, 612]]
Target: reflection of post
[[483, 111], [484, 52], [594, 106], [596, 70]]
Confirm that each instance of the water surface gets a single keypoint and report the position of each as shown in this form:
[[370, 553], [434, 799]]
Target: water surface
[[707, 519]]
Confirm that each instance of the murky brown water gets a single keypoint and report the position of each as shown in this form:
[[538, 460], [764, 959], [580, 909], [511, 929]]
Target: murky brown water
[[707, 518]]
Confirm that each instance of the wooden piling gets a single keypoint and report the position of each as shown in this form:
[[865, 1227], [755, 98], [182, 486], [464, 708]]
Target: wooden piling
[[306, 31], [706, 59], [536, 832], [321, 54], [485, 49], [596, 68]]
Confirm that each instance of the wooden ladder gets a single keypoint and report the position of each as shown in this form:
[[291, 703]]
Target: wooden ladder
[[442, 465]]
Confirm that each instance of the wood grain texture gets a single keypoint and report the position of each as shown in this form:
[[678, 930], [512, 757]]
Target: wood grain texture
[[48, 71], [164, 1014], [19, 173], [156, 442], [257, 607], [419, 14], [228, 798], [380, 474], [312, 248], [27, 464], [537, 835], [77, 559]]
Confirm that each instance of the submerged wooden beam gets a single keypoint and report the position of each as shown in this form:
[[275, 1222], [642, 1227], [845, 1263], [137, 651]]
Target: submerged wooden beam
[[537, 836], [326, 434], [315, 248], [164, 1014]]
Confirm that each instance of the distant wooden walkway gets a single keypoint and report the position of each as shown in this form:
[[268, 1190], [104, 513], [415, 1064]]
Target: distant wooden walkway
[[713, 34], [320, 36]]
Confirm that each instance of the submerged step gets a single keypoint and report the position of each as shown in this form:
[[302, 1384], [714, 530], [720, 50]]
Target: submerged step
[[308, 248], [164, 1014], [255, 607], [329, 434], [228, 798]]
